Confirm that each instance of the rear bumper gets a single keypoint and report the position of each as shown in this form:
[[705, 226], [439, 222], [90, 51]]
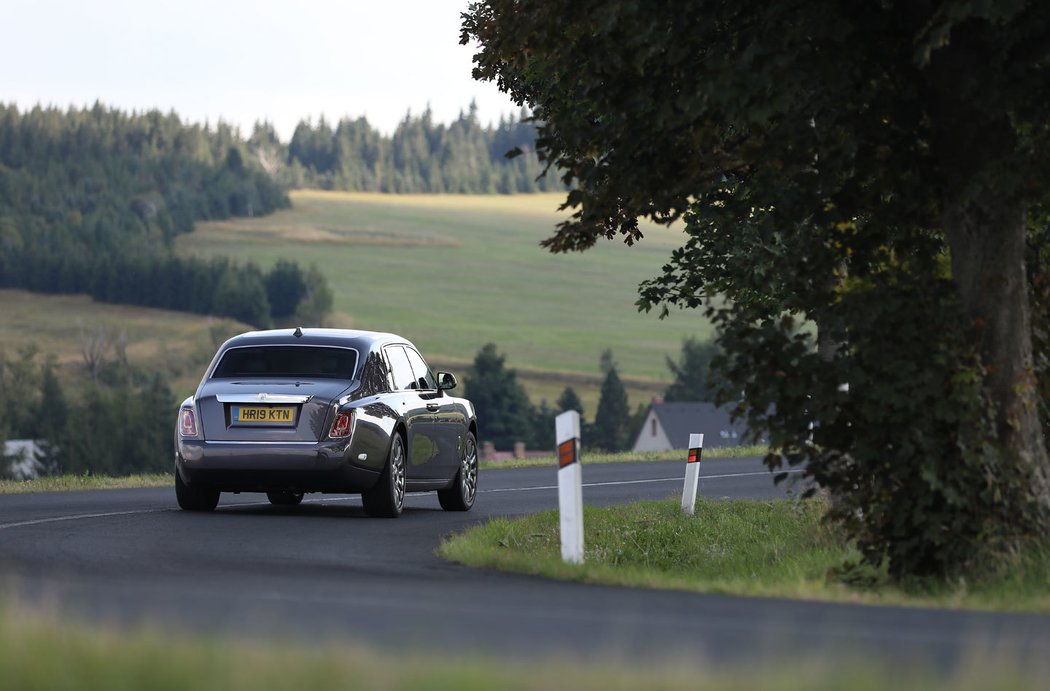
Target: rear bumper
[[266, 467]]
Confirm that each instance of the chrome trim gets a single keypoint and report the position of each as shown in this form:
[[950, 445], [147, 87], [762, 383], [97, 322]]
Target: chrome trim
[[261, 398], [275, 442]]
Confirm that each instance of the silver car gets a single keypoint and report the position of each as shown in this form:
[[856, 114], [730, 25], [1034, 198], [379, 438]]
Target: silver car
[[288, 412]]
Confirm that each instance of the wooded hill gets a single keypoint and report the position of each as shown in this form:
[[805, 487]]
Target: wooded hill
[[421, 156], [91, 199]]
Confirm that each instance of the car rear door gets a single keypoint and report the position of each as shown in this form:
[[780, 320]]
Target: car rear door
[[448, 421], [423, 448]]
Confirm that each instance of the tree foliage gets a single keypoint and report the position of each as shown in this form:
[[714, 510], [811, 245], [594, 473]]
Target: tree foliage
[[462, 157], [505, 415], [692, 372], [864, 168], [612, 419], [117, 425], [570, 400]]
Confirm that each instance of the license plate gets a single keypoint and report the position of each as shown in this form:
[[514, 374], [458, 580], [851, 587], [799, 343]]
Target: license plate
[[280, 416]]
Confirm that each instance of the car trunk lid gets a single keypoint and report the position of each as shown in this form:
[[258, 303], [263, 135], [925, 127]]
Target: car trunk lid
[[268, 410]]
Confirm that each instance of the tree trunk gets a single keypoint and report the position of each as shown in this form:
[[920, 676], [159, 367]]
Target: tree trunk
[[984, 216], [987, 238]]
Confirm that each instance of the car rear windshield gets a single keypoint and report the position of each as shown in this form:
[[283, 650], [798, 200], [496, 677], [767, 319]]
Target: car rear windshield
[[299, 362]]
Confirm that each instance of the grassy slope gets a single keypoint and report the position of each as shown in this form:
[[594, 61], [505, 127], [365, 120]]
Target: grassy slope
[[176, 343], [454, 272]]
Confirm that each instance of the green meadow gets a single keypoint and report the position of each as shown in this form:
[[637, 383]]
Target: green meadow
[[450, 272], [453, 272]]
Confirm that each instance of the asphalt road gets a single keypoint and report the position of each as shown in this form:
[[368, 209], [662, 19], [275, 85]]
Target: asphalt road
[[323, 570]]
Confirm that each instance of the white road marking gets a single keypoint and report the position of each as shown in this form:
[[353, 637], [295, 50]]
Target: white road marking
[[108, 514], [79, 516], [677, 478]]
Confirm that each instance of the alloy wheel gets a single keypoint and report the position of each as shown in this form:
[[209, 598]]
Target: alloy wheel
[[469, 470], [397, 473]]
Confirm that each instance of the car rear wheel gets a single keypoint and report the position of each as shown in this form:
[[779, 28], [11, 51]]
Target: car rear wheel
[[285, 498], [195, 498], [387, 498], [460, 496]]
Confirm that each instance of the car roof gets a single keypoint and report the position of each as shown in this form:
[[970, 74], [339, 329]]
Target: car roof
[[363, 341]]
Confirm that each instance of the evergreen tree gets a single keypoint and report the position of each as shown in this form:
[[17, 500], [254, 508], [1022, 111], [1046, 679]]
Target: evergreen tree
[[612, 419], [52, 419], [570, 401], [543, 426], [5, 462], [505, 415], [692, 372], [420, 156], [242, 295], [285, 288], [316, 303], [92, 440]]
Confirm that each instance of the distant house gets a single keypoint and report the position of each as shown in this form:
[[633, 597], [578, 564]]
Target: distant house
[[21, 456], [668, 426]]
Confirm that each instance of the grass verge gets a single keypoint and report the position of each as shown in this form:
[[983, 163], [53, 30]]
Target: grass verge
[[71, 483], [38, 652], [630, 457], [757, 548]]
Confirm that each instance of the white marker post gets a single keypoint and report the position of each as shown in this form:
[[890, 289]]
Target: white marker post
[[570, 486], [692, 473]]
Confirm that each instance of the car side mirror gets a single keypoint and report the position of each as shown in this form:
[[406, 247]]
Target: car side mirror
[[446, 381]]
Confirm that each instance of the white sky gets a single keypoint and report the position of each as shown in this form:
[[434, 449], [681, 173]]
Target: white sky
[[244, 60]]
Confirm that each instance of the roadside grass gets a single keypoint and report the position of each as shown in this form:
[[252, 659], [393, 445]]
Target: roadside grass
[[629, 457], [41, 652], [73, 483], [776, 548]]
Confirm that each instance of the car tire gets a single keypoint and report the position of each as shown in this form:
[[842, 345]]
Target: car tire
[[464, 489], [387, 498], [285, 498], [195, 498]]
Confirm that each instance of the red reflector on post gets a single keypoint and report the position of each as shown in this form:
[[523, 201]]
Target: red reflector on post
[[567, 453], [694, 455], [187, 423], [342, 425]]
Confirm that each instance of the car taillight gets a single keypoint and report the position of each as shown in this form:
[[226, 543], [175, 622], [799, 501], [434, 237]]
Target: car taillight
[[187, 423], [343, 424]]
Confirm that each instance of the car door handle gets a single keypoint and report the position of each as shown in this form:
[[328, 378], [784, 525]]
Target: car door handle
[[433, 407]]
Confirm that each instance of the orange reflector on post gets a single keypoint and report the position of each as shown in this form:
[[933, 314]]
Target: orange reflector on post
[[567, 453], [692, 474]]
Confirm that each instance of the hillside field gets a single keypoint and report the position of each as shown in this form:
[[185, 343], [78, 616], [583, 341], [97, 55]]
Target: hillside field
[[453, 272], [449, 272], [177, 344]]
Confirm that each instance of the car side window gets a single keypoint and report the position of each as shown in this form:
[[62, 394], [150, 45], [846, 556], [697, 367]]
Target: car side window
[[400, 369], [424, 377]]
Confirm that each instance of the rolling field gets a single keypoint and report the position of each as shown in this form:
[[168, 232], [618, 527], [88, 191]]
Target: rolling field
[[450, 272], [177, 344], [455, 272]]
